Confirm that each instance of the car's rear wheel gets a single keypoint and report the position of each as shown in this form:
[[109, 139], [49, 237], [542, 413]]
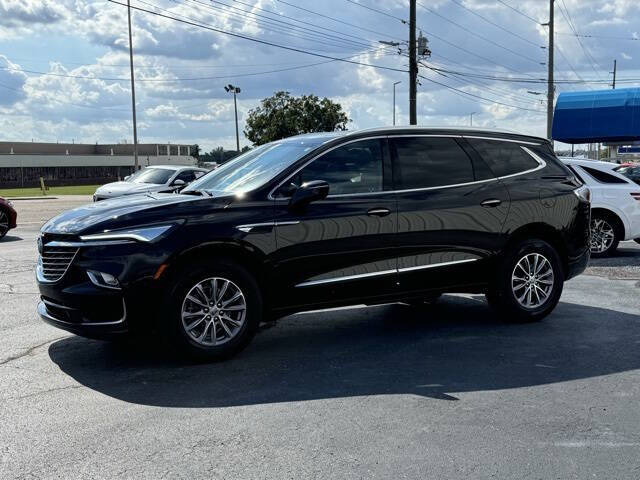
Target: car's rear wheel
[[215, 310], [528, 283], [4, 223], [605, 235]]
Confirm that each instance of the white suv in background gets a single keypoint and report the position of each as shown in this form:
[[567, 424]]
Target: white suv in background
[[615, 204]]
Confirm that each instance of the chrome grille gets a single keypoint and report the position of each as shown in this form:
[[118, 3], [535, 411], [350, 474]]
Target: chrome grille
[[55, 261]]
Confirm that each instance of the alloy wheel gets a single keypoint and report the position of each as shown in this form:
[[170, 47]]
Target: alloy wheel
[[213, 311], [532, 280], [602, 235], [4, 223]]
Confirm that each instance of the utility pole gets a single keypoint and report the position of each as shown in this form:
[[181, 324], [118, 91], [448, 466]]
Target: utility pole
[[394, 102], [413, 64], [550, 86], [133, 92], [471, 118], [614, 75], [235, 90]]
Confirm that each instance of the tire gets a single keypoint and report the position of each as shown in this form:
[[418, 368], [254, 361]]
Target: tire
[[4, 223], [217, 334], [605, 234], [504, 294]]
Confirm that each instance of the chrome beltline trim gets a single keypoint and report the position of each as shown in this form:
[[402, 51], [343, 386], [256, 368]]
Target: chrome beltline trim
[[383, 272], [248, 227]]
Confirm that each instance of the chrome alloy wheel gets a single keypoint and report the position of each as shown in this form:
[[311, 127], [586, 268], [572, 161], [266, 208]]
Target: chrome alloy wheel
[[4, 223], [602, 235], [213, 311], [532, 280]]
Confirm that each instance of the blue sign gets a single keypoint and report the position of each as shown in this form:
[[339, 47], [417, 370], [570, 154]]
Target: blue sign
[[634, 149]]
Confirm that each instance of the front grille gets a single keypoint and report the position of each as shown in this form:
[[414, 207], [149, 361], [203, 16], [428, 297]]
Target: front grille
[[56, 261]]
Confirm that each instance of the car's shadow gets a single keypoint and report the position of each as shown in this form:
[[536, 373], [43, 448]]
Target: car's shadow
[[627, 255], [454, 346], [10, 238]]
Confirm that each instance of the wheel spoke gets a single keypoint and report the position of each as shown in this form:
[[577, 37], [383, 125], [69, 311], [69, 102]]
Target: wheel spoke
[[233, 322], [195, 324], [196, 301], [224, 326], [223, 290]]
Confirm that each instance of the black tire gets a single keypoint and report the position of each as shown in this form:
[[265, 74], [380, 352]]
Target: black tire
[[186, 279], [501, 296], [611, 222]]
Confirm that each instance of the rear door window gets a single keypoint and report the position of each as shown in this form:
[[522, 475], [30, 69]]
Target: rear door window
[[425, 162], [503, 158]]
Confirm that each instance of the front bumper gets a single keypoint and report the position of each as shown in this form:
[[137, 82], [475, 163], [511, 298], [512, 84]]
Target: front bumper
[[71, 320]]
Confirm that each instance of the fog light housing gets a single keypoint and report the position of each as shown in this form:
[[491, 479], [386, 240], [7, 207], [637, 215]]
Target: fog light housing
[[102, 279]]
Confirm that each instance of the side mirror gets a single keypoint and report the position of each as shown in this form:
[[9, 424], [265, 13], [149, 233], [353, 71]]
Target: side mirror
[[309, 192], [178, 183]]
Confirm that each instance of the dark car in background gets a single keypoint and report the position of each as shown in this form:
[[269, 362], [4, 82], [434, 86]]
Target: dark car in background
[[317, 221], [8, 217], [632, 172], [158, 178]]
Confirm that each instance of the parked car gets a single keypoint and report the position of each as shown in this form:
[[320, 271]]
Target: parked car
[[615, 204], [631, 171], [317, 221], [8, 217], [159, 178]]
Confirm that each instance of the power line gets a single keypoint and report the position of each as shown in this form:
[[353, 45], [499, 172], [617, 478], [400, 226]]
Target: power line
[[257, 40], [519, 12], [526, 57], [341, 21], [610, 37], [386, 14], [494, 24], [478, 96]]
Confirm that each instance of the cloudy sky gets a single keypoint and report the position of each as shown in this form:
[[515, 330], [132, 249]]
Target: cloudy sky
[[64, 70]]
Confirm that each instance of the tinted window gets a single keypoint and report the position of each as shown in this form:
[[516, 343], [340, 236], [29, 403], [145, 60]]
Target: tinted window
[[423, 162], [352, 168], [575, 172], [602, 177], [152, 175], [186, 176], [504, 158]]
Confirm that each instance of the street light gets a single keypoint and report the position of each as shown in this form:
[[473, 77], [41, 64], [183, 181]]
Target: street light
[[394, 102], [235, 90]]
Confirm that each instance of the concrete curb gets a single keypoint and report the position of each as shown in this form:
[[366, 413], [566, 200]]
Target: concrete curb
[[13, 199]]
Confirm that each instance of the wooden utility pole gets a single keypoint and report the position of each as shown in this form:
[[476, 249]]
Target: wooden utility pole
[[413, 65]]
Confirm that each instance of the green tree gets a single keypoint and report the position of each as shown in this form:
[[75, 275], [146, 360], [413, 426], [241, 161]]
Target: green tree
[[284, 115]]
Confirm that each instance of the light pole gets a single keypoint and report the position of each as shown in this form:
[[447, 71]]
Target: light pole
[[471, 118], [235, 90], [394, 102], [133, 91]]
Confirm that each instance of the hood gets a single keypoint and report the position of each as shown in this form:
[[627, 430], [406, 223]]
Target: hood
[[128, 188], [123, 212]]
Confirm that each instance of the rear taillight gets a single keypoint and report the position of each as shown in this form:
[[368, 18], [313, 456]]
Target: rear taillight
[[583, 193], [636, 195]]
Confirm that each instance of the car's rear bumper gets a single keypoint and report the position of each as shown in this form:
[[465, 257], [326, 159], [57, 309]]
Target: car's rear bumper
[[577, 265]]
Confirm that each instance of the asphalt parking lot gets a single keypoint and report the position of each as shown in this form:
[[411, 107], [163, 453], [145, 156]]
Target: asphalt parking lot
[[381, 392]]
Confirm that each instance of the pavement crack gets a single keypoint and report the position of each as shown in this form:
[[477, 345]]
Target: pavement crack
[[43, 392], [29, 351]]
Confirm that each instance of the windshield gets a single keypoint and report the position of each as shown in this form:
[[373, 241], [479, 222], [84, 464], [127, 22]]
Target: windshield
[[255, 168], [152, 175]]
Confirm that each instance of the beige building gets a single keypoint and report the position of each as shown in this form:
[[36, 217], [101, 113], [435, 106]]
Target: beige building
[[23, 163]]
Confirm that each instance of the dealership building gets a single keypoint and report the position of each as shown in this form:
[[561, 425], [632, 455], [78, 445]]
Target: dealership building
[[23, 163]]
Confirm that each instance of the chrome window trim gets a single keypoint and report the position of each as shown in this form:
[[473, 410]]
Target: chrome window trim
[[511, 140], [541, 164]]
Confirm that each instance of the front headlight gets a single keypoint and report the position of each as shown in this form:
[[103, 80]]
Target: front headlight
[[142, 234]]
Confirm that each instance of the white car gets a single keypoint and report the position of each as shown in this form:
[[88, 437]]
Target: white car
[[615, 204], [158, 178]]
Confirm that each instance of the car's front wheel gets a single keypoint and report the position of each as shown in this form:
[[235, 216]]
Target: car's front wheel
[[215, 310], [528, 283], [4, 223]]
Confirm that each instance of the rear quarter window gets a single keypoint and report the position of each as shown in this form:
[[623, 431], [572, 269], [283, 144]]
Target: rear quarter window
[[503, 158], [603, 177]]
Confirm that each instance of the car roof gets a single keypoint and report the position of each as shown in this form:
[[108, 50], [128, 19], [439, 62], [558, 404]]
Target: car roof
[[589, 163], [176, 167]]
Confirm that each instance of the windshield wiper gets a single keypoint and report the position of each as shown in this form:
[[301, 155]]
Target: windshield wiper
[[197, 192]]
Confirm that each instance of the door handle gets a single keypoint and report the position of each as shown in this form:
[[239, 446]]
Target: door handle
[[378, 212], [493, 202]]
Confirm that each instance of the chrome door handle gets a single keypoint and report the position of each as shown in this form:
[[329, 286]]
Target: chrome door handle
[[378, 212], [493, 202]]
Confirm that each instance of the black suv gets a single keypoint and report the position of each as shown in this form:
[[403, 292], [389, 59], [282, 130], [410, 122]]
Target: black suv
[[317, 221]]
